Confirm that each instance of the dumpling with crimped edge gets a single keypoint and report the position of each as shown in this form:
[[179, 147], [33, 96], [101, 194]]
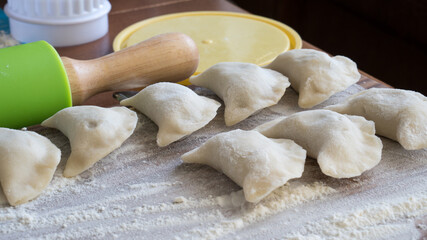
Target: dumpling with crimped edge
[[345, 146], [245, 88], [94, 132], [253, 161], [176, 109], [315, 75], [27, 164], [398, 114]]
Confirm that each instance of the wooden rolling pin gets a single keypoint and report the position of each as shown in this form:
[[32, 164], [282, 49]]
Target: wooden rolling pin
[[168, 57], [35, 82]]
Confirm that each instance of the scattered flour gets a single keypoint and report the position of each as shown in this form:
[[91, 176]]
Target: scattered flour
[[287, 196], [180, 199], [379, 221]]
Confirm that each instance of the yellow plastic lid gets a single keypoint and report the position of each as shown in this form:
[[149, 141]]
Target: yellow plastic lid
[[219, 36]]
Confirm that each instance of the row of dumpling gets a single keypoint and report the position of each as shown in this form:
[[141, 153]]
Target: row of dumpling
[[345, 146], [94, 132], [245, 89]]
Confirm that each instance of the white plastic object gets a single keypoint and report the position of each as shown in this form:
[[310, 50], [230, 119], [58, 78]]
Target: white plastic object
[[59, 22]]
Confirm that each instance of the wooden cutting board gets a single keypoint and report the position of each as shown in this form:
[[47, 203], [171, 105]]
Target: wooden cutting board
[[141, 191]]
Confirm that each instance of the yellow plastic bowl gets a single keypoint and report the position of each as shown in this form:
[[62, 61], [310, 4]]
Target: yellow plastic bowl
[[219, 36]]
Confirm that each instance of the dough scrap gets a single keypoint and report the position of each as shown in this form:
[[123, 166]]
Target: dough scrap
[[400, 115], [344, 146], [245, 88], [176, 109], [94, 132], [315, 75], [27, 164], [254, 162]]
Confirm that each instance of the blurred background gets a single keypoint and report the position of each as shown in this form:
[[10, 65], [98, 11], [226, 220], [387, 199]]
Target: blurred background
[[386, 38]]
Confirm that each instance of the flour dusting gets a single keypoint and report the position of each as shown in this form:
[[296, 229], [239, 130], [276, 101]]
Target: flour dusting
[[379, 221]]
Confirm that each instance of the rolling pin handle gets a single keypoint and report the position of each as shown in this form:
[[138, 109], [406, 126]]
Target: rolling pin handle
[[169, 57]]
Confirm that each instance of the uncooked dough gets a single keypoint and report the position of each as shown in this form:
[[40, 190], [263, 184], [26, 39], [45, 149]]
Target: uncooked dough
[[398, 114], [176, 109], [93, 131], [345, 146], [254, 162], [315, 75], [245, 88], [27, 164]]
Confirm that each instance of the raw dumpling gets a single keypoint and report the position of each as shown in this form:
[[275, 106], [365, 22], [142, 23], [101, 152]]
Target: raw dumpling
[[93, 131], [400, 115], [27, 164], [176, 109], [254, 162], [244, 87], [345, 146], [315, 75], [3, 199]]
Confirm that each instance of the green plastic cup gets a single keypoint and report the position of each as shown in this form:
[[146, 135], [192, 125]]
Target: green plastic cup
[[33, 84]]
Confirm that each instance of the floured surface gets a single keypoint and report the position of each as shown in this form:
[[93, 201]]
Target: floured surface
[[141, 191]]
